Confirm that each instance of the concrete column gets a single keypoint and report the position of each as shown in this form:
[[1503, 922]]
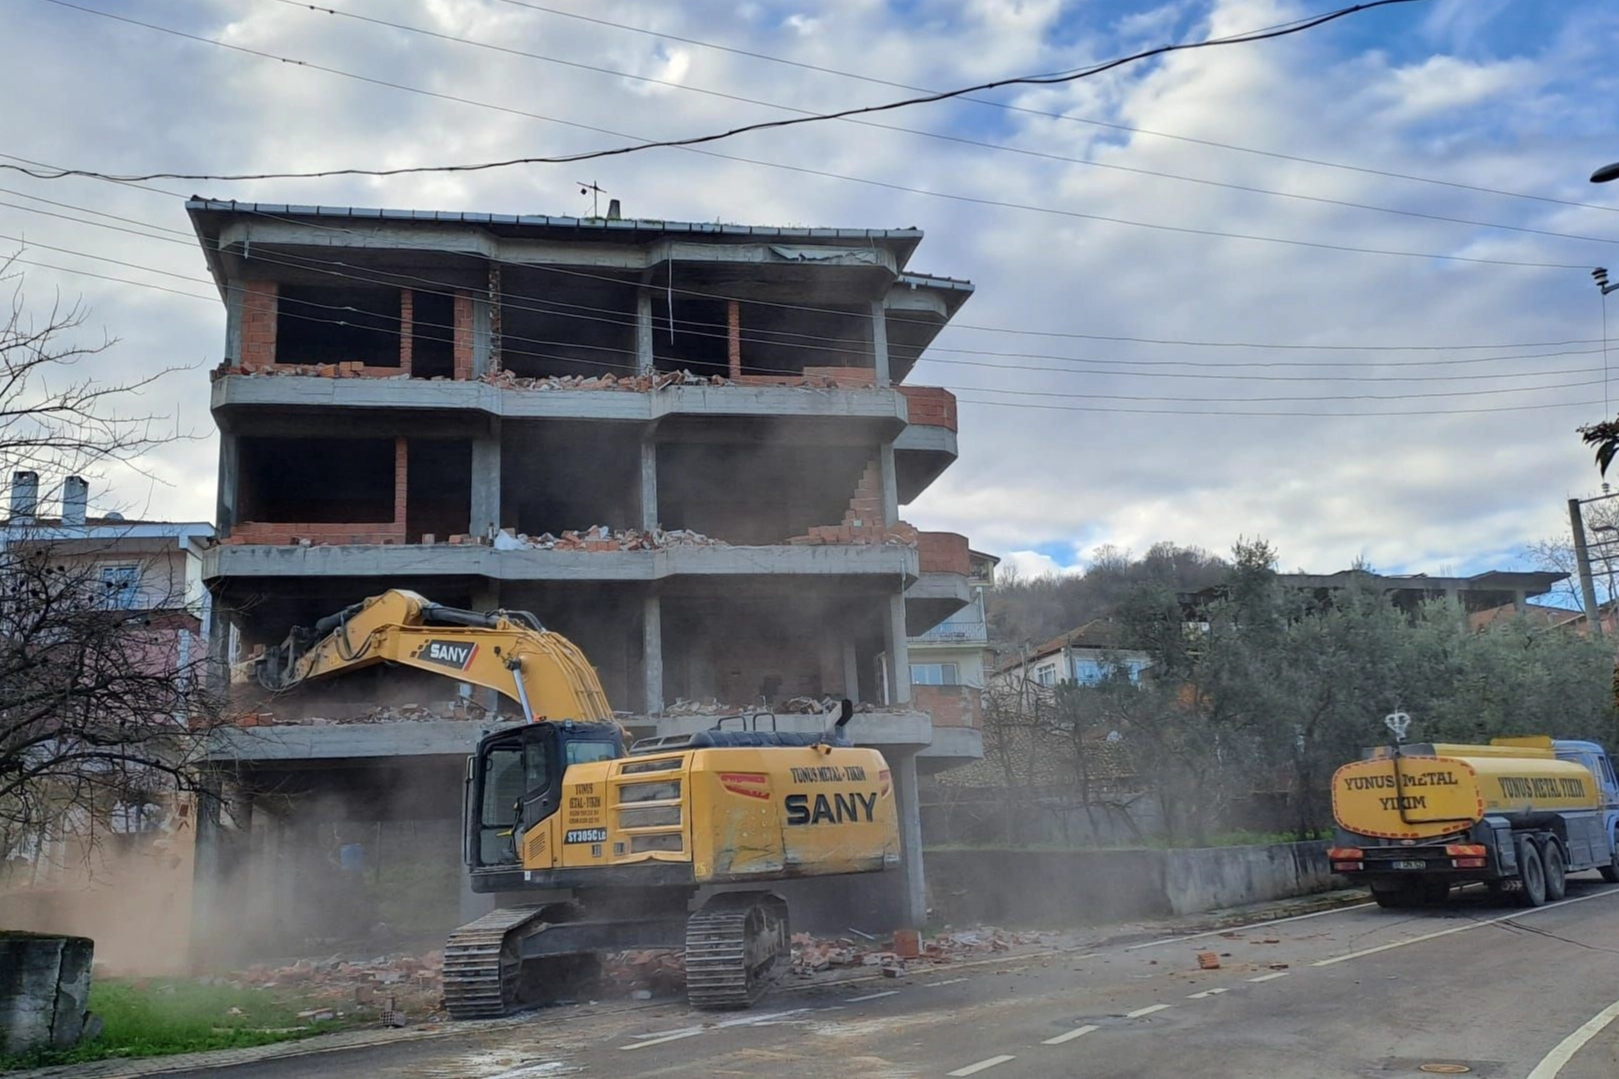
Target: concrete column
[[644, 361], [652, 654], [483, 353], [649, 482], [218, 665], [230, 467], [851, 671], [896, 646], [486, 482], [890, 479], [879, 342], [909, 808], [208, 900], [233, 322]]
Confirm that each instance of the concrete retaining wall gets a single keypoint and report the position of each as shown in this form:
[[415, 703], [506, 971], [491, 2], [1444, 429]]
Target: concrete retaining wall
[[44, 991], [1085, 887]]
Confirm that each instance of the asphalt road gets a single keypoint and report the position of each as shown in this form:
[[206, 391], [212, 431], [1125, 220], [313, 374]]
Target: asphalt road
[[1357, 992]]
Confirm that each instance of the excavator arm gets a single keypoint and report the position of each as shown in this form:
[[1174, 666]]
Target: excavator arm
[[509, 652]]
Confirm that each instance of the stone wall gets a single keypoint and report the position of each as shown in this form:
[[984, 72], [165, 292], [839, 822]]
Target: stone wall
[[1088, 887]]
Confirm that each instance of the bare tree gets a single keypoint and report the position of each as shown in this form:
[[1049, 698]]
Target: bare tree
[[102, 699]]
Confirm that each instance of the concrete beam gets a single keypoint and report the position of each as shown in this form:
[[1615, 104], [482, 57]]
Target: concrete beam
[[896, 730], [951, 747], [344, 741], [885, 408], [862, 561]]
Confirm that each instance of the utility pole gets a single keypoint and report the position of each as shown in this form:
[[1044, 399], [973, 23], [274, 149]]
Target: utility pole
[[1582, 560]]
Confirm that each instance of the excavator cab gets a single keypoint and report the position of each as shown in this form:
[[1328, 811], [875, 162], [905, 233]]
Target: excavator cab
[[515, 781]]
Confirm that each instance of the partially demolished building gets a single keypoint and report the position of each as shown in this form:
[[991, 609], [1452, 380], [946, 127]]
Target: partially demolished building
[[685, 446]]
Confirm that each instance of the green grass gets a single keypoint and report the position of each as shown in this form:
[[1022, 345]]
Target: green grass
[[157, 1018]]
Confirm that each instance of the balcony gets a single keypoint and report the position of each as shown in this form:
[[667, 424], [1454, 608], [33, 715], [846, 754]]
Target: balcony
[[927, 446]]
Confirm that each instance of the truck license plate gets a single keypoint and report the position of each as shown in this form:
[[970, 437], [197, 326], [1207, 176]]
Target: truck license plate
[[1410, 865]]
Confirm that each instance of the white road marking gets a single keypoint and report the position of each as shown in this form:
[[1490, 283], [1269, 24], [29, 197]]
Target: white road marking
[[1271, 977], [1461, 928], [1552, 1065], [872, 996], [1148, 1010], [1250, 925], [676, 1036], [948, 981], [1206, 993], [1077, 1032], [982, 1065]]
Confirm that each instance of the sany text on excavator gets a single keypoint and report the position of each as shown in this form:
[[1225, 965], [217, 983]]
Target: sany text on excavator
[[554, 801]]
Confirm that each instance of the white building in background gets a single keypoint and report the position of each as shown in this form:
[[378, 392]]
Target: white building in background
[[1083, 656], [950, 663]]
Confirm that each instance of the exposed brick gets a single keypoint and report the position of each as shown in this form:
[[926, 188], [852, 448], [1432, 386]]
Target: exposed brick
[[949, 706], [463, 335], [733, 336], [943, 552], [930, 406], [407, 320], [258, 325]]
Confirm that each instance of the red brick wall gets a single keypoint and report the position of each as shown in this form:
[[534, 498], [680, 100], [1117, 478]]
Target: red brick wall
[[733, 337], [322, 533], [258, 325], [943, 552], [407, 321], [930, 406], [463, 335], [950, 706]]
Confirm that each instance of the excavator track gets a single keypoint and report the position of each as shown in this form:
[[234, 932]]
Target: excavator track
[[734, 947], [481, 966]]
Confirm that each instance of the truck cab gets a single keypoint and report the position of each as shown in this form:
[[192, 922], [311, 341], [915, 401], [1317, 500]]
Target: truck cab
[[1595, 759]]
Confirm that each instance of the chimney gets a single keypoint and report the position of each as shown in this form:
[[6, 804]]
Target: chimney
[[24, 496], [75, 500], [613, 212]]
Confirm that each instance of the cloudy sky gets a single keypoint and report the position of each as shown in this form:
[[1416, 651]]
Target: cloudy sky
[[1330, 289]]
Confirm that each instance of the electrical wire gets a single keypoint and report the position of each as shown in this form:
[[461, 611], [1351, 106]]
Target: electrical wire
[[696, 140], [938, 135], [1080, 408], [954, 326], [719, 332], [691, 146], [1046, 114]]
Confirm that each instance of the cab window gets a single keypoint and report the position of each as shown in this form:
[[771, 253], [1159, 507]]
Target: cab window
[[582, 752]]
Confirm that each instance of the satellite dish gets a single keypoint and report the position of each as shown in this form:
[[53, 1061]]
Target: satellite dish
[[1606, 173], [114, 515]]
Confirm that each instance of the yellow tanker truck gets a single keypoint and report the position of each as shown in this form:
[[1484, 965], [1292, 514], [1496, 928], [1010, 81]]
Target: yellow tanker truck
[[1519, 814]]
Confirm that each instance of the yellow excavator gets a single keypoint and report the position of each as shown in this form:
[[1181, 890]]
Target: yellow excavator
[[554, 801]]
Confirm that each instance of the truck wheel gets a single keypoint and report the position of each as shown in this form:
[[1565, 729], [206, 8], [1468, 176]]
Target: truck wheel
[[1556, 867], [1532, 873], [1610, 872]]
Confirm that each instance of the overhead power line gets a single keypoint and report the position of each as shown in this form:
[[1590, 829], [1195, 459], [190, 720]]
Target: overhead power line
[[1045, 394], [959, 140], [956, 325], [698, 140], [515, 302], [1049, 115]]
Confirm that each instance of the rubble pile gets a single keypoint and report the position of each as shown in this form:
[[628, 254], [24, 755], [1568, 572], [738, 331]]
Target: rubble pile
[[639, 383], [402, 984], [458, 711], [602, 538], [652, 970]]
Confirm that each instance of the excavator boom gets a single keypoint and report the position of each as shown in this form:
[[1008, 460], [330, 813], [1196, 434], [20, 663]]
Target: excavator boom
[[509, 652]]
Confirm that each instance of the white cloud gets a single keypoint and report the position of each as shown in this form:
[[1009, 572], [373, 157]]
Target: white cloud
[[1413, 485]]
